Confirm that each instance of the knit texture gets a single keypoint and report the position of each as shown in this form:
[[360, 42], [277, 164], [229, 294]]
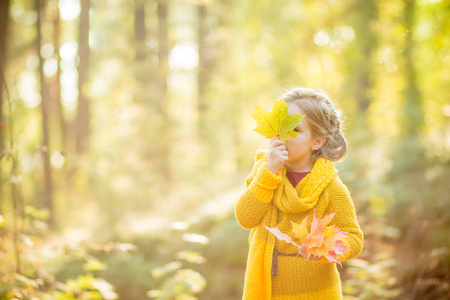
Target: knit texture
[[271, 200]]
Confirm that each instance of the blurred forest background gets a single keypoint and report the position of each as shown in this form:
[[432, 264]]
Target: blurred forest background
[[126, 136]]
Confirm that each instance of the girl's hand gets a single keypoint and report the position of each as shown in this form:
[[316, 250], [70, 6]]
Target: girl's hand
[[277, 155], [314, 257]]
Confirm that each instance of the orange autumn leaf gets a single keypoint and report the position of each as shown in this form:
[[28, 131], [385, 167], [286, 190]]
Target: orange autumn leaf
[[320, 240]]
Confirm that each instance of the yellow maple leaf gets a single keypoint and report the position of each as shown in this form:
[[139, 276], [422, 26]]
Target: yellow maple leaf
[[277, 122], [300, 230]]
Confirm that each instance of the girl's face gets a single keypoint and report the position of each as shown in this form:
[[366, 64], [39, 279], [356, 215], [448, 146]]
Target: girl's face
[[301, 147]]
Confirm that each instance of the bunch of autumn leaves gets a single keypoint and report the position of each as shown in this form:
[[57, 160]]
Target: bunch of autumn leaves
[[322, 239]]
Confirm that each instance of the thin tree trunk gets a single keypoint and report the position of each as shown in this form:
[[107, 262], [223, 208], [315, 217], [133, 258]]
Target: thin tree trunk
[[17, 207], [16, 215], [48, 196], [361, 62], [140, 55], [413, 110], [139, 29], [57, 82], [163, 70], [367, 44], [201, 105], [4, 22], [82, 128]]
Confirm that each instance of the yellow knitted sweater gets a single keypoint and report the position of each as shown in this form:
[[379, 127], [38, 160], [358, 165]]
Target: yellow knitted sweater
[[271, 200]]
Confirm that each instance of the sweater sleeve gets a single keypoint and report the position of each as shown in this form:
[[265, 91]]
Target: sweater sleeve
[[345, 219], [252, 205]]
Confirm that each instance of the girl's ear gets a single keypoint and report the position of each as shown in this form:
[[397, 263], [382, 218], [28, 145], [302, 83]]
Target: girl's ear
[[318, 142]]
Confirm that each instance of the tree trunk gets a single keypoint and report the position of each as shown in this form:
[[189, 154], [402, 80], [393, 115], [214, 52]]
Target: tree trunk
[[201, 105], [361, 62], [412, 111], [56, 91], [48, 196], [361, 55], [367, 47], [82, 128], [409, 167], [4, 22], [139, 29], [163, 70], [140, 68]]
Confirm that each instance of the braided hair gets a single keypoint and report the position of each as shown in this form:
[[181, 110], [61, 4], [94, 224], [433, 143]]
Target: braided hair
[[323, 118]]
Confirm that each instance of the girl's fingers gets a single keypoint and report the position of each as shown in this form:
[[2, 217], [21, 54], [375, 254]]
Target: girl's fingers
[[280, 151], [283, 158], [276, 142], [278, 147]]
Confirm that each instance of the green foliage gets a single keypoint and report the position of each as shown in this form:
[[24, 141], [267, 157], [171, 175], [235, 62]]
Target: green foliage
[[36, 214], [83, 287], [177, 282], [371, 280], [183, 285], [2, 222], [86, 287], [31, 280]]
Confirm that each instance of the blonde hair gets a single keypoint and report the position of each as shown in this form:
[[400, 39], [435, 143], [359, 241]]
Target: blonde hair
[[317, 105]]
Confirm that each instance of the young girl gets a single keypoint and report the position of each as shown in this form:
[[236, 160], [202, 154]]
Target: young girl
[[286, 183]]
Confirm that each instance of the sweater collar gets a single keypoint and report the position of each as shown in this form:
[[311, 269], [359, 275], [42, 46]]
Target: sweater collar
[[308, 190]]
